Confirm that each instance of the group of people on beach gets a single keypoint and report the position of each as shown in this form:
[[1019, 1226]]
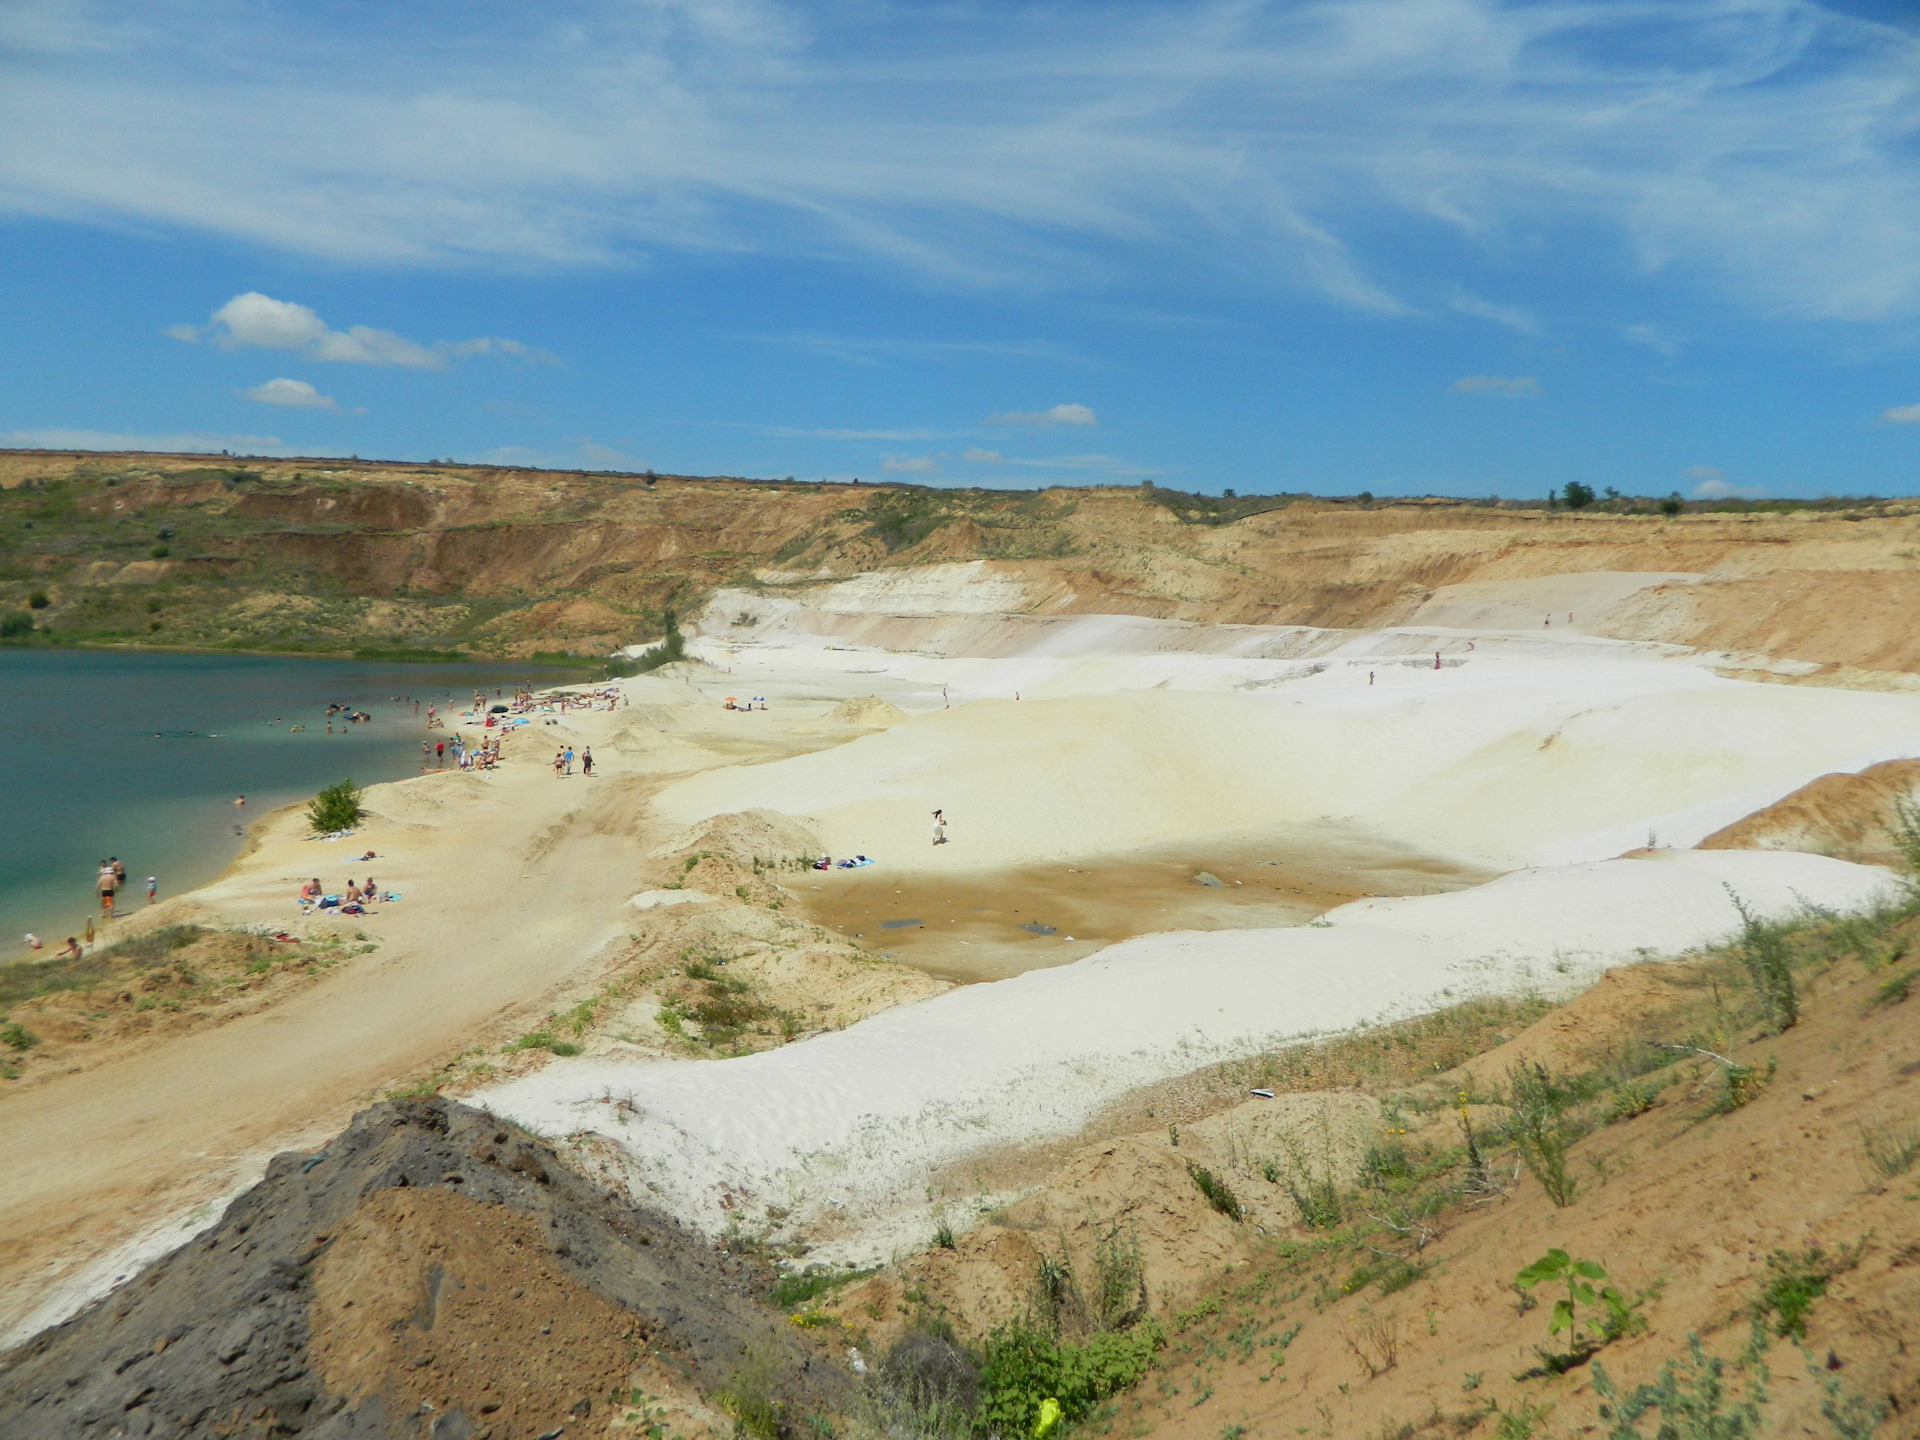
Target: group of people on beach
[[563, 761], [356, 899]]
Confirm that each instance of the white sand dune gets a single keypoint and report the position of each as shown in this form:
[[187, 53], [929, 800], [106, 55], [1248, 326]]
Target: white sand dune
[[855, 1122], [1498, 763]]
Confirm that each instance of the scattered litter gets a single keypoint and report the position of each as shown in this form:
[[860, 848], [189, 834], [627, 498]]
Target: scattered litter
[[1034, 927], [1264, 1094], [899, 924], [1208, 878]]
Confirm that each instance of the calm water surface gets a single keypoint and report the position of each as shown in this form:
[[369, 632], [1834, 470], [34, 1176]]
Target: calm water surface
[[141, 756]]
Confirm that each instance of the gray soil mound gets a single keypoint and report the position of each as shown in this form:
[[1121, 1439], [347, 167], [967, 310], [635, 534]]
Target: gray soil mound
[[432, 1272], [866, 710]]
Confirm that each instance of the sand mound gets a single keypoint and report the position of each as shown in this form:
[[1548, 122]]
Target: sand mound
[[866, 710], [427, 1256], [746, 836], [1843, 815]]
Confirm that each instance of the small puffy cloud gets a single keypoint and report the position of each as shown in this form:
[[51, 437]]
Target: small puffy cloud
[[1046, 419], [294, 394], [1902, 415], [909, 465], [1505, 387], [1511, 316], [982, 457], [260, 321]]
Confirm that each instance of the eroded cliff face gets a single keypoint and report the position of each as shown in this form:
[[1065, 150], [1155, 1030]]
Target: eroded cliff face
[[327, 555]]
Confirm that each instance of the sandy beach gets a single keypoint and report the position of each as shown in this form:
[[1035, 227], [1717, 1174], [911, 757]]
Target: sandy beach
[[1386, 834]]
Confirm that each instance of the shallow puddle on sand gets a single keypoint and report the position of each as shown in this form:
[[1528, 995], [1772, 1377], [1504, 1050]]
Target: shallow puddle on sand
[[988, 925]]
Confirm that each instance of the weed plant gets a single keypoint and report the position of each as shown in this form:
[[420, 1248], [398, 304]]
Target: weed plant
[[1219, 1195], [1891, 1149]]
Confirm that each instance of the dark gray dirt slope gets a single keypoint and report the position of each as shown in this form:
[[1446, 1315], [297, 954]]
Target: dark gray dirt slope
[[218, 1337]]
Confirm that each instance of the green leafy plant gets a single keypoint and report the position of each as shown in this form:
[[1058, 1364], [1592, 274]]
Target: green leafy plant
[[1522, 1422], [1120, 1279], [337, 807], [1607, 1309], [1895, 989], [1022, 1367], [17, 1037]]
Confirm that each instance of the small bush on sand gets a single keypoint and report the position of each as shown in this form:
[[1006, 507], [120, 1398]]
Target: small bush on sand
[[1768, 960], [1541, 1129], [1023, 1366], [1218, 1194], [1692, 1397], [336, 808], [1795, 1279], [1891, 1149], [1120, 1279]]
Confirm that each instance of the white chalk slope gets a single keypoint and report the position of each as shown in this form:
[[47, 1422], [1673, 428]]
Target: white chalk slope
[[1496, 763], [855, 1121]]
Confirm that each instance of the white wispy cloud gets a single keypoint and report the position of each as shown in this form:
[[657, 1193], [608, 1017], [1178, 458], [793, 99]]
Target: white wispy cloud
[[975, 455], [194, 443], [909, 464], [1511, 316], [1505, 387], [256, 320], [1047, 419], [1760, 150], [1901, 415], [294, 394], [1654, 338]]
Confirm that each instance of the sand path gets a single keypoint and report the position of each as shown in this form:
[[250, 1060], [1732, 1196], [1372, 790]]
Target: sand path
[[510, 894]]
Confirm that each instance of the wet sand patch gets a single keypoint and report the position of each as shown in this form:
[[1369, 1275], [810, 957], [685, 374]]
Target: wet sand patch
[[993, 924]]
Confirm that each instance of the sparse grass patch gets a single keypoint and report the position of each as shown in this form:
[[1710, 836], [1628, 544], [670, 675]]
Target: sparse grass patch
[[1891, 1149]]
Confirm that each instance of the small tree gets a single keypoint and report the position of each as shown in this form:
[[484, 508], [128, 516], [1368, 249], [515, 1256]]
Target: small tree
[[336, 808], [1578, 496], [1673, 504]]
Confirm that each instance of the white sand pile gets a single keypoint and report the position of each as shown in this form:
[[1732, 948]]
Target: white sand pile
[[854, 1122], [1500, 765]]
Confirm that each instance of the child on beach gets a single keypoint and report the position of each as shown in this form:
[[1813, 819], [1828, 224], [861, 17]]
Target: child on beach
[[153, 889]]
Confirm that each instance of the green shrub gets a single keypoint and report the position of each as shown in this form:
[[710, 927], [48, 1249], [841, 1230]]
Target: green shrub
[[337, 807], [1120, 1279], [1691, 1397], [1895, 989], [1218, 1194], [17, 1036], [38, 600], [15, 625], [1540, 1128], [791, 1291], [1768, 961], [1022, 1366], [1795, 1279], [1636, 1097]]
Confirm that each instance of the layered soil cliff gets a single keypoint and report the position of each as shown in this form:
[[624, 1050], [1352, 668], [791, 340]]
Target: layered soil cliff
[[330, 555]]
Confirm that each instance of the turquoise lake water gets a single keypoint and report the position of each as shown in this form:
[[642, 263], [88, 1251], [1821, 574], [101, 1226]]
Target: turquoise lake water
[[83, 776]]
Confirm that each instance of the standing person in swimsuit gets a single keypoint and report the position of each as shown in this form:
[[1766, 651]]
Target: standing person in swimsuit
[[586, 760], [103, 882]]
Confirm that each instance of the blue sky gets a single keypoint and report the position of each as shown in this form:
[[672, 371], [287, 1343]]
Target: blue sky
[[1406, 246]]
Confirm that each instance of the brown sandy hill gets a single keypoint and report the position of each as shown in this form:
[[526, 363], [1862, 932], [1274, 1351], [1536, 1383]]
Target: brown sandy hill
[[1844, 815], [1401, 1318], [333, 555], [430, 1272]]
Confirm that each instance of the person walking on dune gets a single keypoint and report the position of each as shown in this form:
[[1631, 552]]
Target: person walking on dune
[[586, 761], [939, 827]]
